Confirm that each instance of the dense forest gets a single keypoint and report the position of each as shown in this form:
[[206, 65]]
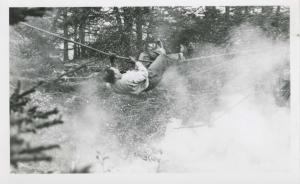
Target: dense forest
[[126, 30], [92, 125]]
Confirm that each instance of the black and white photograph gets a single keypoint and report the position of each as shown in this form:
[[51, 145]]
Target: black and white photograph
[[150, 89]]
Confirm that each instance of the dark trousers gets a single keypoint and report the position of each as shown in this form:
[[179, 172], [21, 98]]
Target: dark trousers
[[157, 69]]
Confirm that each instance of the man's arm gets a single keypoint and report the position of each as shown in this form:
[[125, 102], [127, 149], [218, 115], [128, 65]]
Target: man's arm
[[138, 65]]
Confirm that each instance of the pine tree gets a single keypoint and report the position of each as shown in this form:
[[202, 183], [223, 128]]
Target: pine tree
[[26, 119]]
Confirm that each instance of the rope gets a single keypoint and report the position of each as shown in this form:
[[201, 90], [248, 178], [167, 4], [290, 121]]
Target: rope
[[78, 43], [113, 55], [41, 83], [227, 54], [220, 116], [127, 58]]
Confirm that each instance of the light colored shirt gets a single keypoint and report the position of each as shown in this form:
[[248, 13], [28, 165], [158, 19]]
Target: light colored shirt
[[133, 81]]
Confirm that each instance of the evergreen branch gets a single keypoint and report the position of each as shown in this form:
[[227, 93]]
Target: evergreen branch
[[15, 105], [20, 121], [85, 169], [25, 93], [44, 115], [14, 161], [28, 130], [49, 124], [32, 110], [14, 140], [38, 149]]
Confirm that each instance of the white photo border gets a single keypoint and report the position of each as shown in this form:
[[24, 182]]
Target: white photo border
[[285, 178]]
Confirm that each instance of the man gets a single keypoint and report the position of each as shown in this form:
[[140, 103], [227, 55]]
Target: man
[[139, 78], [132, 82]]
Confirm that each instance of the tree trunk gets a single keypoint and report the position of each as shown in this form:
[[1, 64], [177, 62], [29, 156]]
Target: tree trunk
[[128, 23], [150, 26], [277, 17], [139, 29], [277, 10], [118, 18], [227, 13], [267, 10], [75, 54], [246, 10], [120, 25], [82, 39], [65, 28]]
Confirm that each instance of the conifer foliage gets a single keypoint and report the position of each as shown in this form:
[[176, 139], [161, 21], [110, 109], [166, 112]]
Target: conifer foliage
[[26, 120]]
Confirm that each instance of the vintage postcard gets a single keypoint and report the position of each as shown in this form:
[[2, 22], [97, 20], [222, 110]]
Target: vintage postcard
[[173, 92]]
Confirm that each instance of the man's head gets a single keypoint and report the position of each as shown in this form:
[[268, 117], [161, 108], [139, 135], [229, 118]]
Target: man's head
[[111, 75]]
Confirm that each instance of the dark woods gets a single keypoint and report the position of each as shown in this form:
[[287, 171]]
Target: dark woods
[[126, 30]]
